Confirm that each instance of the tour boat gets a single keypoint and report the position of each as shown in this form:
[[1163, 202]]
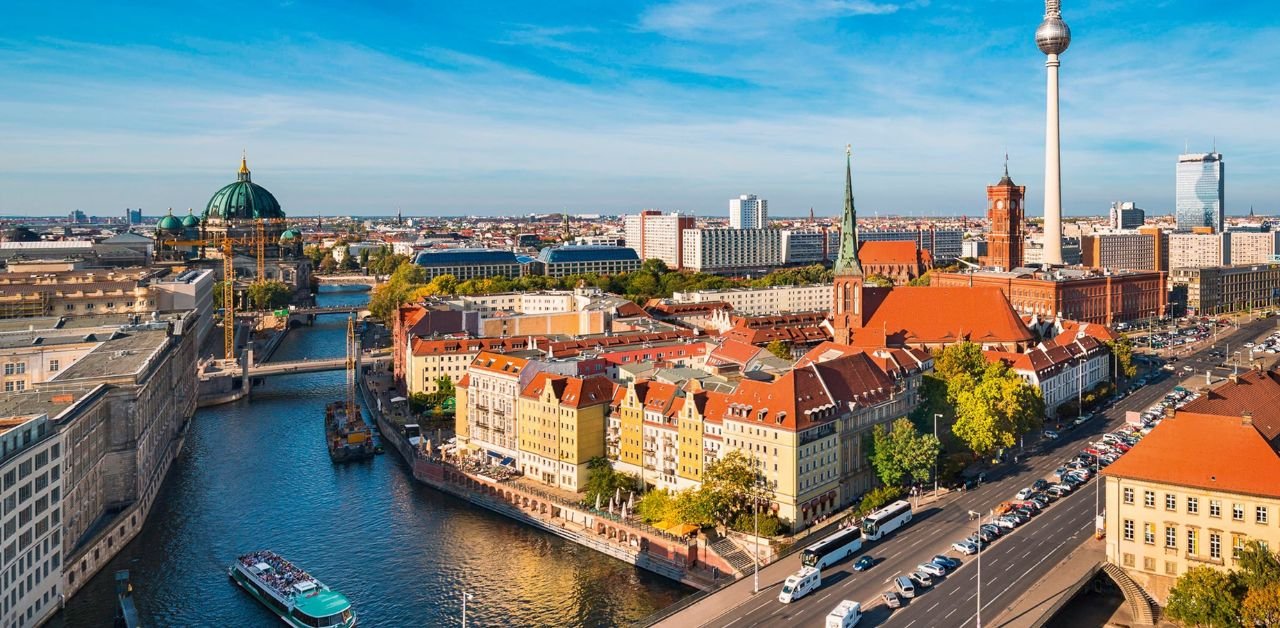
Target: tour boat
[[291, 593]]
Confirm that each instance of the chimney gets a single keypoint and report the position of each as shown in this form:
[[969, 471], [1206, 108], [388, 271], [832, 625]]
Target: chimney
[[1235, 379], [1169, 412], [1247, 418]]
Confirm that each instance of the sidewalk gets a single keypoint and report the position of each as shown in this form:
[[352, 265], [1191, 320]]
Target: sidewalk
[[1055, 589]]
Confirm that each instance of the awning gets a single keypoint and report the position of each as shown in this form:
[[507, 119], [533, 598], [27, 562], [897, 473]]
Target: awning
[[494, 454]]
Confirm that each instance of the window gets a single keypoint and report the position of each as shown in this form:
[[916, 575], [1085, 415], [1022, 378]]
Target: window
[[1128, 496], [1260, 515], [1237, 512], [1149, 499], [1171, 537], [1149, 533], [1237, 546], [1170, 501], [1193, 505], [1128, 560], [1215, 545], [1192, 537], [1215, 508], [54, 365]]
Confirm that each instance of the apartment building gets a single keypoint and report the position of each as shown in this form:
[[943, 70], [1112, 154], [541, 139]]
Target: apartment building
[[1163, 519], [1144, 249], [1220, 289], [773, 300], [655, 235], [731, 250], [429, 360], [809, 246], [1061, 372], [944, 244], [562, 427], [77, 292], [1254, 247], [1199, 250]]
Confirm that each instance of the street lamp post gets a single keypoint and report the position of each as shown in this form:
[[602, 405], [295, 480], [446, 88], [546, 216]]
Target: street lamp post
[[465, 596], [935, 458], [1235, 364], [981, 543]]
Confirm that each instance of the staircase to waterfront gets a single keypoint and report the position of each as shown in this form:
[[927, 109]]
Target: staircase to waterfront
[[1141, 604], [732, 554]]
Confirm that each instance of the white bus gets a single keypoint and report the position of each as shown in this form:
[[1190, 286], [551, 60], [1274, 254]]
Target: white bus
[[886, 520], [832, 549]]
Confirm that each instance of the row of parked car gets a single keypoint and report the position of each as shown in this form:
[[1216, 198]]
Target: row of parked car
[[1270, 344], [1184, 336], [1152, 416], [907, 585]]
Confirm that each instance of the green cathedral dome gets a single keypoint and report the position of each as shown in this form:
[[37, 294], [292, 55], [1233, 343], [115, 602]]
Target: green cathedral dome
[[243, 200], [170, 224], [190, 220]]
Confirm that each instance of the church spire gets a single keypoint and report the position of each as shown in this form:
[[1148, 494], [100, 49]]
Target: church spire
[[244, 167], [847, 262]]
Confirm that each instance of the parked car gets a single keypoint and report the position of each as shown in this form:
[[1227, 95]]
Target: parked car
[[946, 562], [1051, 434], [966, 547], [864, 563], [921, 579], [1006, 522], [891, 599], [1039, 485], [932, 569], [1023, 494]]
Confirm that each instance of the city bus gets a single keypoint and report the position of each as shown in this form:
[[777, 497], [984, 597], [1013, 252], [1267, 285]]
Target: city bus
[[832, 549], [886, 520]]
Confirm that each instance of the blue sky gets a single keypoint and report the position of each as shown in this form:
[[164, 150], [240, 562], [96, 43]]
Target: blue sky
[[517, 107]]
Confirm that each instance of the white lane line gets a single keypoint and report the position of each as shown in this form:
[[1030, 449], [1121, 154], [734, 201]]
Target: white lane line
[[949, 614]]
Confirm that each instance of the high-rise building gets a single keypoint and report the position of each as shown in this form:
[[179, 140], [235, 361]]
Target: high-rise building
[[1199, 250], [748, 212], [1052, 37], [1004, 212], [731, 250], [945, 245], [1199, 201], [1144, 249], [1127, 216], [77, 217], [655, 235], [132, 216]]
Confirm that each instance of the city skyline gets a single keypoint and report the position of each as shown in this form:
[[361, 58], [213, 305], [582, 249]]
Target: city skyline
[[641, 106]]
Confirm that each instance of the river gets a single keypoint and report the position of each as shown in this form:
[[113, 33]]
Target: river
[[256, 475]]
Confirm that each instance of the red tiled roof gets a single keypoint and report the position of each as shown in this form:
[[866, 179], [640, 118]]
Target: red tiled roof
[[1253, 392], [733, 352], [498, 363], [809, 396], [876, 252], [423, 346], [911, 315], [1240, 460], [465, 381], [572, 392]]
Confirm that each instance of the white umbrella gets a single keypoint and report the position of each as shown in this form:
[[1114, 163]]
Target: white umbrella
[[624, 511], [631, 501], [597, 501], [617, 493]]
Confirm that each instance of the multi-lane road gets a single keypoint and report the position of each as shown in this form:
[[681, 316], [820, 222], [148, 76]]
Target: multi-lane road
[[1010, 565]]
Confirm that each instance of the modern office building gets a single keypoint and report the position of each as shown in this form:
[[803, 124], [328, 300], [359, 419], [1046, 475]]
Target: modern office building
[[809, 246], [731, 250], [562, 261], [655, 235], [1200, 192], [1126, 215], [748, 212], [1199, 250], [466, 264], [1222, 289], [773, 300], [1144, 249]]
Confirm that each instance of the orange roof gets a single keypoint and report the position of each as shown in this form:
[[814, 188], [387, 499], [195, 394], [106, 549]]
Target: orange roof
[[1254, 392], [808, 396], [465, 381], [1241, 460], [498, 363], [911, 315], [424, 347], [573, 392], [733, 352], [875, 252]]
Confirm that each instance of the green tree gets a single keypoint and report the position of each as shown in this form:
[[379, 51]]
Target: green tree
[[993, 412], [697, 507], [1259, 567], [656, 507], [328, 265], [604, 482], [445, 388], [315, 254], [922, 280], [396, 290], [1204, 596], [730, 484], [955, 362], [1261, 606], [364, 258], [901, 453], [1122, 349], [876, 279], [779, 348], [269, 295]]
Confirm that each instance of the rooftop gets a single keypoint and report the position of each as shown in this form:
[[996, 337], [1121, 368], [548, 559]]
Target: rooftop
[[120, 355], [459, 257], [1253, 392], [1242, 461], [587, 253]]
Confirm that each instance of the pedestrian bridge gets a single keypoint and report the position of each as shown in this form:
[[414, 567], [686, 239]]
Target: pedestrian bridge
[[292, 367]]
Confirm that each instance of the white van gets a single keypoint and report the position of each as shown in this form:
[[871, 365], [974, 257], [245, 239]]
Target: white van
[[905, 586], [800, 584], [846, 615]]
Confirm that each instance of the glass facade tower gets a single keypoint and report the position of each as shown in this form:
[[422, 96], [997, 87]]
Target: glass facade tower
[[1199, 201]]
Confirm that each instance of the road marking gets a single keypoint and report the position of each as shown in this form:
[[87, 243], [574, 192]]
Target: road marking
[[949, 614]]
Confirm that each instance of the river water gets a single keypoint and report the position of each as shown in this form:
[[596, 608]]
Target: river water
[[256, 475]]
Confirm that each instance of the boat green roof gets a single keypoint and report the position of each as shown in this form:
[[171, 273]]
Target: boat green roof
[[322, 604]]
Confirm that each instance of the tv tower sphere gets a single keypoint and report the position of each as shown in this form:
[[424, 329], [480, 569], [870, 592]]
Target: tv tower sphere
[[1053, 36]]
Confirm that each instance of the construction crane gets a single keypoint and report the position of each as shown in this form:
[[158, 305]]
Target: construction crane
[[226, 244]]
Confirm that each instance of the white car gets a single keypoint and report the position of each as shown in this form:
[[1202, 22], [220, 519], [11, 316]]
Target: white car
[[965, 547], [1023, 494], [1006, 523], [934, 570]]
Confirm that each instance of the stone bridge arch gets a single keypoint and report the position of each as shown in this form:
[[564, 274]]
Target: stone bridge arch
[[1142, 608]]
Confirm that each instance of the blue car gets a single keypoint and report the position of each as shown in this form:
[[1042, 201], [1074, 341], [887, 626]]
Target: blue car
[[864, 563]]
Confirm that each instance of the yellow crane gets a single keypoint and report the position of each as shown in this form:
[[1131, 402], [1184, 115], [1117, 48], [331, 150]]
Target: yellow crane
[[226, 244]]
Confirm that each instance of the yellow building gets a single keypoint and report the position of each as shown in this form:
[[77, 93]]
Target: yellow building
[[1174, 503], [562, 422], [427, 361]]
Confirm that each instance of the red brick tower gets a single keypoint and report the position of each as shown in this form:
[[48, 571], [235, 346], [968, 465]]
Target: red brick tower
[[1004, 212]]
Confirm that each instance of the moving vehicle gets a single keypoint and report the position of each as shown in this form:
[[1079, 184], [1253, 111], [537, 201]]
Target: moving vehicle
[[884, 521], [906, 588], [844, 615], [832, 549], [1051, 434], [296, 597], [864, 563], [891, 599], [800, 584]]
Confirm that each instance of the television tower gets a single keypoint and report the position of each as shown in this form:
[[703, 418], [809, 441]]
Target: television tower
[[1052, 37]]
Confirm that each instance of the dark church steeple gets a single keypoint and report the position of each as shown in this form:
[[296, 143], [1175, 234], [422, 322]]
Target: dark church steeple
[[846, 314]]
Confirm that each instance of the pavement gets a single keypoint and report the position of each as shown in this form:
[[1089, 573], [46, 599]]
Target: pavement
[[1010, 566]]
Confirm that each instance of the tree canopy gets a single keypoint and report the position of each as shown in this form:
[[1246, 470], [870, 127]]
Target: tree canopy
[[1122, 348], [1204, 596], [269, 295], [901, 454]]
